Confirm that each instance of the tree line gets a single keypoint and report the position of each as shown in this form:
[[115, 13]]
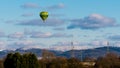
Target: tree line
[[16, 60], [49, 60]]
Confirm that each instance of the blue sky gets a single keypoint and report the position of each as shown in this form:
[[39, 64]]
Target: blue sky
[[88, 24]]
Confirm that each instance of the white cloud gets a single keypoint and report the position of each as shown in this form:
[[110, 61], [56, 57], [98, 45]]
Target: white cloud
[[2, 34], [93, 21], [33, 46], [117, 44], [3, 45], [16, 35], [49, 35], [66, 45], [25, 44], [40, 35]]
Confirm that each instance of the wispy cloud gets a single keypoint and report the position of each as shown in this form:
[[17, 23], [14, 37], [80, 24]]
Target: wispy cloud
[[59, 29], [30, 5], [2, 45], [20, 44], [26, 44], [33, 34], [66, 45], [27, 14], [56, 15], [61, 35], [94, 21], [49, 35], [2, 34], [10, 21], [114, 37], [40, 35], [16, 35], [58, 6], [39, 22], [34, 5]]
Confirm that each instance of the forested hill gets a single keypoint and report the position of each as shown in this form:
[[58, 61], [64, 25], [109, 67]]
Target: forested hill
[[94, 53]]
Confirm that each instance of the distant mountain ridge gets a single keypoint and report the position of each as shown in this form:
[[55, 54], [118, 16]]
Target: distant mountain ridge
[[94, 53]]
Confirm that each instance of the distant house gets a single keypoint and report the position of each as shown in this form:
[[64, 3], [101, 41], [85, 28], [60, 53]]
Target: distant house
[[88, 63]]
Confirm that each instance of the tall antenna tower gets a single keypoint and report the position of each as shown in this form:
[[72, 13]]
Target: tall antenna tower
[[72, 50], [108, 50], [81, 56]]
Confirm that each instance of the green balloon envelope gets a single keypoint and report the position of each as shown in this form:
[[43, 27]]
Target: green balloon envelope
[[44, 15]]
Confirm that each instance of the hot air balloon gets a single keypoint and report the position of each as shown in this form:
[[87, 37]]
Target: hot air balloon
[[44, 15]]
